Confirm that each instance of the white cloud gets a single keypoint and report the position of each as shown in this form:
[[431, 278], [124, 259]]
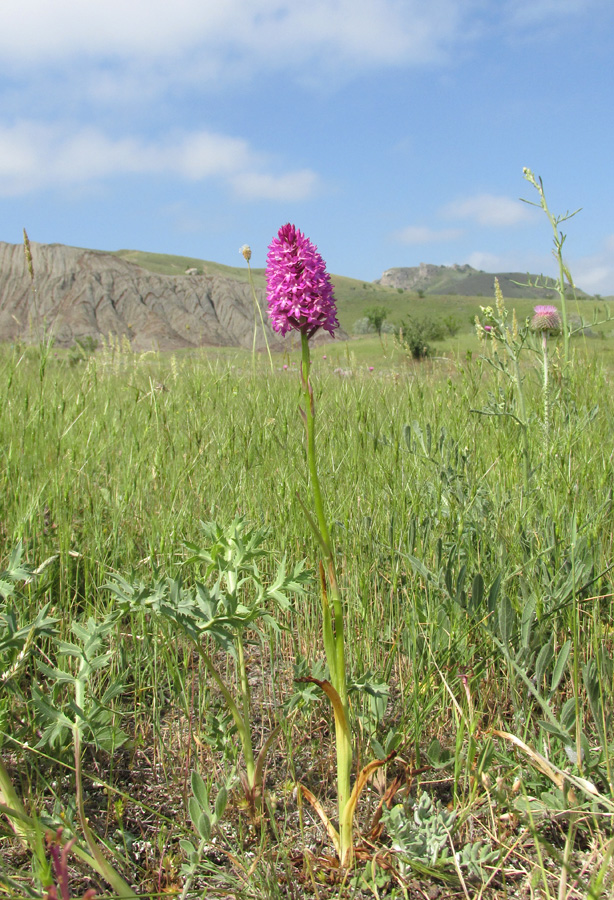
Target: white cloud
[[529, 13], [422, 234], [34, 156], [262, 186], [366, 31], [116, 54], [492, 262], [595, 273], [489, 209], [361, 31]]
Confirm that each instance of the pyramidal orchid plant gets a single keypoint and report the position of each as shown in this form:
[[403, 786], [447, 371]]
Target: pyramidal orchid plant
[[300, 298]]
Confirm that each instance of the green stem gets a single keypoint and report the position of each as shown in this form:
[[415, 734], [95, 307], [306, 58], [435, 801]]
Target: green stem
[[309, 413], [559, 237], [558, 243], [245, 692], [546, 396], [242, 725], [577, 649], [255, 296], [333, 626], [523, 424]]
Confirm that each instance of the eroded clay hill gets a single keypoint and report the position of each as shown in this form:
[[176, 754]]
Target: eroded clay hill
[[78, 294]]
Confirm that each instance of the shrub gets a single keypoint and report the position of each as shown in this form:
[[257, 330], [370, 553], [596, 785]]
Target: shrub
[[363, 326], [452, 325], [415, 334], [377, 316]]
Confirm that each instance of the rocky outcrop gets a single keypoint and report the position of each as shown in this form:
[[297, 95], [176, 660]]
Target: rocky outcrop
[[414, 278], [466, 281], [80, 294]]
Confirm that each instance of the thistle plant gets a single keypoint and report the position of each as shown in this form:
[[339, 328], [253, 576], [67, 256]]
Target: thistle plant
[[546, 320], [511, 340], [300, 297], [558, 240]]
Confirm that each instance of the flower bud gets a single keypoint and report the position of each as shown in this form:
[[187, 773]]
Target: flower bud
[[546, 318]]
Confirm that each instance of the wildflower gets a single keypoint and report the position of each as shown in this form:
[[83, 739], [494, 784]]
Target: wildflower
[[299, 289], [546, 318], [246, 252], [487, 327], [499, 301], [371, 368]]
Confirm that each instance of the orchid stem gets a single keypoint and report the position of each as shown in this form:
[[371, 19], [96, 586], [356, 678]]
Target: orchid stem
[[333, 626]]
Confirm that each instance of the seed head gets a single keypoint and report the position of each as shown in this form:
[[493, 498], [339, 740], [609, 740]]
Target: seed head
[[28, 252]]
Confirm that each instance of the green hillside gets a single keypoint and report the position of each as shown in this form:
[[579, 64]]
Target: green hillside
[[166, 264]]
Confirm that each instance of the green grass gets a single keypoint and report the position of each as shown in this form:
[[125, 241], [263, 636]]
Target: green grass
[[109, 465]]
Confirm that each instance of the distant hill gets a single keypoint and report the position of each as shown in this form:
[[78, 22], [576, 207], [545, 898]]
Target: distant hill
[[464, 280], [171, 304]]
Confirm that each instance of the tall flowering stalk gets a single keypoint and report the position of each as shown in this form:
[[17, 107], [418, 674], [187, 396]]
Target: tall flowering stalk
[[246, 253], [558, 240], [300, 297], [512, 342]]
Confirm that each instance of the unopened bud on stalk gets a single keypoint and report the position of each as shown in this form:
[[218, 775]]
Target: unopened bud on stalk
[[246, 252], [546, 318]]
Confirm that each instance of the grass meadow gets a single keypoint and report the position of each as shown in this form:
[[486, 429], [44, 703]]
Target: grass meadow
[[476, 572]]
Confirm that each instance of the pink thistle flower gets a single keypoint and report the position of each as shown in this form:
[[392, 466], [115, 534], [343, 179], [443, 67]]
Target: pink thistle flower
[[299, 289], [371, 368], [487, 327], [546, 318]]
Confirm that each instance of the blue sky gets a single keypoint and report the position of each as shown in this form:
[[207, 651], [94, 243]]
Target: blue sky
[[392, 132]]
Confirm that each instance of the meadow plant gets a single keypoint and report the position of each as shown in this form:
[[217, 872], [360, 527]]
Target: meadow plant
[[59, 854], [230, 600], [558, 240], [508, 341], [45, 338], [83, 717], [300, 297], [414, 334], [546, 320], [246, 253], [376, 316]]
